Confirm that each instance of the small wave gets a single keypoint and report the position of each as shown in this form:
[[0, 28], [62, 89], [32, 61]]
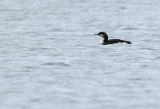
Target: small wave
[[130, 28], [122, 7], [158, 57], [56, 64]]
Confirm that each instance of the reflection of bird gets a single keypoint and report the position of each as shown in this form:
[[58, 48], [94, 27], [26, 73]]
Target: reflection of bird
[[111, 41]]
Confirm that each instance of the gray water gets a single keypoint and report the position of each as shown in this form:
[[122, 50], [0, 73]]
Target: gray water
[[50, 59]]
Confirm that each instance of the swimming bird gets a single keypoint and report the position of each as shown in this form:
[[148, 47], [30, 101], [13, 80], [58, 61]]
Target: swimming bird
[[111, 41]]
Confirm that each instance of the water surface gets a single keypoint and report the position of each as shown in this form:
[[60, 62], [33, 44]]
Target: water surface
[[50, 58]]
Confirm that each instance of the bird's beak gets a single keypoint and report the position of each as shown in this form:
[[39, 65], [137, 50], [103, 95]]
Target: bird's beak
[[95, 34]]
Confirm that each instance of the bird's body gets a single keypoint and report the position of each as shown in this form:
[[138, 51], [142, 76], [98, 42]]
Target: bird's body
[[111, 41]]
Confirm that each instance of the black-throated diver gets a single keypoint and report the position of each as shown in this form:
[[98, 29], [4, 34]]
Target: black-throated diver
[[111, 41]]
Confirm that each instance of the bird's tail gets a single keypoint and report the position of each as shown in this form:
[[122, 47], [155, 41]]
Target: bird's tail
[[128, 42]]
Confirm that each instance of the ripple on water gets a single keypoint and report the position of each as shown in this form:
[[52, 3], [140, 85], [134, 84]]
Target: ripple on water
[[130, 28], [60, 64]]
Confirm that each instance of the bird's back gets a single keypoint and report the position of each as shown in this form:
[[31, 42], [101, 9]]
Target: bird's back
[[112, 41]]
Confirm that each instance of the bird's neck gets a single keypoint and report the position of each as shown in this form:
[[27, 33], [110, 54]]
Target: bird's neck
[[105, 39]]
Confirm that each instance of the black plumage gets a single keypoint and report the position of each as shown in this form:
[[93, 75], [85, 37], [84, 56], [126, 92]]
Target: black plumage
[[110, 41]]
